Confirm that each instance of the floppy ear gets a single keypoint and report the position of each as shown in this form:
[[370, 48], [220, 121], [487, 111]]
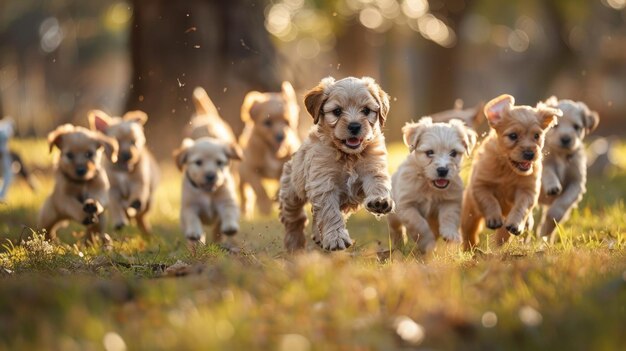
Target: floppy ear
[[381, 97], [495, 109], [548, 115], [55, 138], [136, 116], [180, 154], [591, 118], [411, 132], [468, 135], [233, 151], [109, 144], [289, 94], [99, 121], [250, 106], [315, 98]]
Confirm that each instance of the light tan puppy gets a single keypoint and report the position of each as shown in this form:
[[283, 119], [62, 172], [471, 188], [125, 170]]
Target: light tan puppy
[[208, 190], [207, 121], [341, 164], [427, 188], [506, 174], [268, 141], [81, 184], [135, 175], [564, 178]]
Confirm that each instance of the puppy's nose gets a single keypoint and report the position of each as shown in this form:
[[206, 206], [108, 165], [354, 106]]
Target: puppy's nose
[[354, 127], [81, 171], [528, 155], [210, 177], [279, 137], [566, 140], [125, 156], [442, 171]]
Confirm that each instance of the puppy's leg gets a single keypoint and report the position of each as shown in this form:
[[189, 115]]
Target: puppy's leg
[[48, 219], [395, 230], [488, 205], [471, 221], [516, 219], [376, 186], [291, 214], [561, 209], [143, 223], [264, 203], [417, 228], [116, 209], [550, 182], [449, 221], [192, 225], [502, 236], [331, 223], [228, 213]]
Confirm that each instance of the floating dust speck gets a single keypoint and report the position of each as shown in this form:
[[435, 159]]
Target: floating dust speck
[[530, 316], [225, 89], [112, 341], [196, 46], [408, 330], [489, 319]]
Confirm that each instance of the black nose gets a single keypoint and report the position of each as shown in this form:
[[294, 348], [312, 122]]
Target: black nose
[[528, 155], [125, 156], [354, 128], [210, 177], [81, 171], [566, 140], [280, 137], [442, 171]]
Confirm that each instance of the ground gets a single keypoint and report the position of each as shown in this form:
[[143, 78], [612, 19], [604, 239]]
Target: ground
[[156, 294]]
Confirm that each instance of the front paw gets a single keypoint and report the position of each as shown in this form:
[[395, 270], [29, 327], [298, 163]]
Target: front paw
[[554, 191], [136, 205], [379, 205], [336, 240], [196, 237], [90, 206], [494, 222], [229, 228], [91, 219], [515, 229], [451, 236]]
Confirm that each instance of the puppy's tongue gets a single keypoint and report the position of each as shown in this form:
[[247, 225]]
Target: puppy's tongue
[[524, 165], [353, 141], [441, 183]]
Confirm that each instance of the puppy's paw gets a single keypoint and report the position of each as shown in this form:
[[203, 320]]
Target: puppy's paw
[[136, 205], [426, 245], [451, 236], [195, 237], [119, 226], [494, 222], [554, 191], [336, 240], [515, 229], [229, 228], [90, 206], [379, 205], [91, 219]]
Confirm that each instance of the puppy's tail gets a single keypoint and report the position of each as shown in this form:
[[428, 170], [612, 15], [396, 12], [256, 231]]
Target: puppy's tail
[[22, 171], [203, 104]]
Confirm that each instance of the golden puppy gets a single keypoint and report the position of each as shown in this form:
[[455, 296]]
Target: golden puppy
[[81, 184], [207, 121], [427, 188], [506, 174], [564, 177], [268, 141], [208, 190], [341, 164], [134, 176]]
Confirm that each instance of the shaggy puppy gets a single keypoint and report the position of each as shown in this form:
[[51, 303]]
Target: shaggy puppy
[[506, 175], [81, 189], [268, 139], [565, 167], [471, 116], [427, 188], [341, 164], [208, 190], [207, 121], [135, 175]]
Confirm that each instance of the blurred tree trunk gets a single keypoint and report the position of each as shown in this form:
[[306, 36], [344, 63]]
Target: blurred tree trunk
[[177, 45]]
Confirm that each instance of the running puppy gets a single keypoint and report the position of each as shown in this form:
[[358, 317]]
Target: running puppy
[[207, 121], [506, 175], [341, 165], [208, 190], [134, 176], [269, 139], [427, 188], [564, 174], [81, 189]]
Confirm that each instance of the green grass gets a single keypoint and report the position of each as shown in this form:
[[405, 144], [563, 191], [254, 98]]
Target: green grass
[[567, 296]]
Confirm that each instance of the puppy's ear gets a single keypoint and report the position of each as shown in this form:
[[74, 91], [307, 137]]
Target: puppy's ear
[[547, 115], [99, 121], [381, 97], [110, 146], [289, 94], [55, 137], [250, 107], [136, 116], [233, 151], [592, 118], [411, 132], [315, 98], [496, 108], [468, 135], [180, 154], [552, 101]]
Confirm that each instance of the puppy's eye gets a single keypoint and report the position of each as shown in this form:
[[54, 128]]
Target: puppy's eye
[[429, 153], [366, 111], [337, 112], [453, 153], [577, 127], [513, 136], [69, 155], [536, 136], [220, 163], [267, 123], [198, 163], [89, 154]]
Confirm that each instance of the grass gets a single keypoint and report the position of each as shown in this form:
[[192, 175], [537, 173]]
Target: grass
[[157, 295]]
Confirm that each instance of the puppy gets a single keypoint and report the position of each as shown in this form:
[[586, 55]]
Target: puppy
[[427, 188], [269, 139], [207, 121], [341, 164], [472, 116], [208, 189], [506, 174], [134, 176], [564, 174], [6, 160], [81, 189]]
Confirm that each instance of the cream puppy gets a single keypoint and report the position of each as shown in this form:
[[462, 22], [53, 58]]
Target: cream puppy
[[427, 188], [341, 165]]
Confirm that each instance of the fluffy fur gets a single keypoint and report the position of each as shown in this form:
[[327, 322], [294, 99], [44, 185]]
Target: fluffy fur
[[341, 165], [427, 188], [268, 141], [81, 189], [134, 176], [506, 174], [564, 177], [208, 189]]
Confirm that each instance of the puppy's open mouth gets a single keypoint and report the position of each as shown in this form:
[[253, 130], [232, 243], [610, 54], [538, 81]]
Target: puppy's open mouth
[[353, 143], [524, 166], [441, 183]]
